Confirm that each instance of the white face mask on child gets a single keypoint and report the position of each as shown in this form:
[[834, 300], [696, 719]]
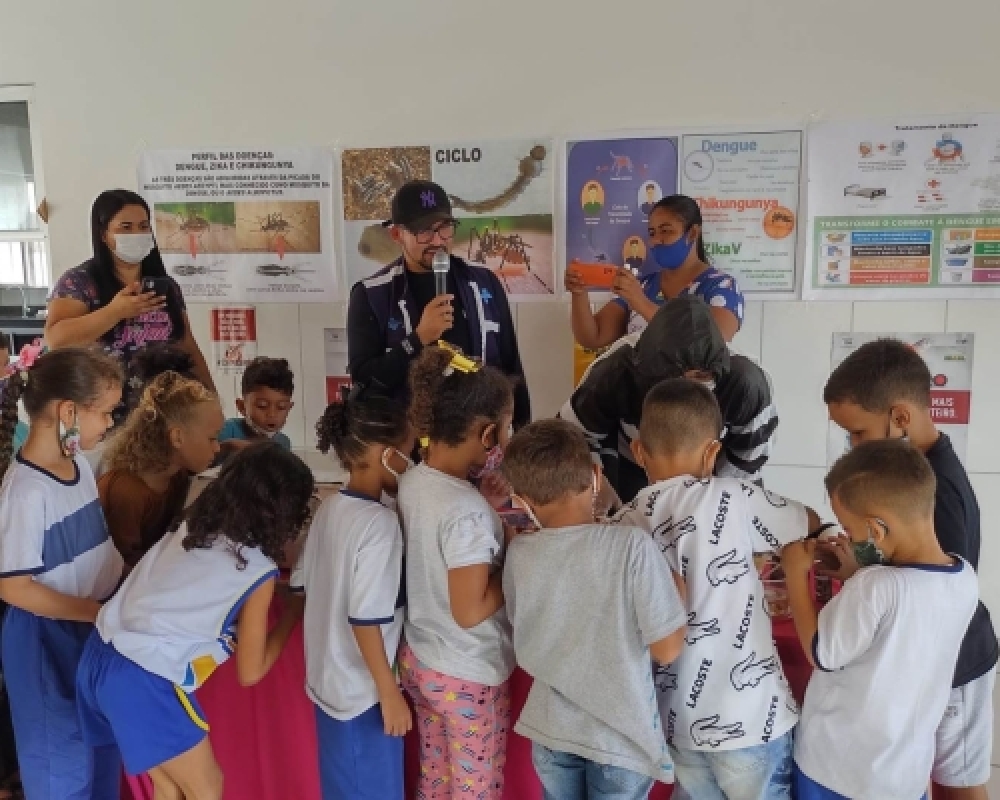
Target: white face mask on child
[[259, 430], [387, 453]]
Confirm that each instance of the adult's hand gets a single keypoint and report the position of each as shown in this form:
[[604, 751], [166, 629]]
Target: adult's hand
[[133, 302], [438, 317], [574, 282], [628, 288]]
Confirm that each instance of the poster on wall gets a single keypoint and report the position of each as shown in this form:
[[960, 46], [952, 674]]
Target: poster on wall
[[904, 208], [948, 357], [244, 226], [611, 186], [335, 356], [747, 186], [234, 338], [501, 193]]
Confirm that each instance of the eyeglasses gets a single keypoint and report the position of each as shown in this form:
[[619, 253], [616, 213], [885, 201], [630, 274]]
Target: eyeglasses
[[446, 230]]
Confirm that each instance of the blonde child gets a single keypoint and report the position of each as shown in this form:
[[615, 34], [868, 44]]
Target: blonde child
[[458, 655], [171, 435], [204, 586], [57, 564], [351, 569], [885, 648]]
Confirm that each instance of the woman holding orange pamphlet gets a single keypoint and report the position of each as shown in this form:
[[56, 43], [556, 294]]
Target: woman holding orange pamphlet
[[678, 266]]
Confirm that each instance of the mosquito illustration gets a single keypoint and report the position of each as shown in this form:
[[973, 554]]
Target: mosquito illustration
[[281, 270], [274, 223]]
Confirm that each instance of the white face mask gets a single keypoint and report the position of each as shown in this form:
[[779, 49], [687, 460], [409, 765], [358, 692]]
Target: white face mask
[[385, 461], [132, 248], [258, 430]]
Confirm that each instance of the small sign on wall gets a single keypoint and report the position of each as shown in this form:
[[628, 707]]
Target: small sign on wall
[[234, 338], [948, 357], [335, 353]]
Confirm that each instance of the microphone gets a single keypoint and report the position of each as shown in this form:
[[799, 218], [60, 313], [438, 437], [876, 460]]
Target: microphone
[[441, 265]]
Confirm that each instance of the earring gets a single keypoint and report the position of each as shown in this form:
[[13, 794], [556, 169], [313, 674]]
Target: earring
[[69, 438]]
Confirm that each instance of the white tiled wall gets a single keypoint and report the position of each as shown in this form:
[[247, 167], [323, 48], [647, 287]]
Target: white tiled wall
[[791, 340]]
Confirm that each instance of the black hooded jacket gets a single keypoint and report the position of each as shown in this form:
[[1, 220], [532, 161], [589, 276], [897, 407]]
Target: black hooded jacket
[[682, 336]]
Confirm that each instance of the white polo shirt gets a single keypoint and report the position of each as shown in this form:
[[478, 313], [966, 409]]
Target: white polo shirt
[[885, 654], [351, 569]]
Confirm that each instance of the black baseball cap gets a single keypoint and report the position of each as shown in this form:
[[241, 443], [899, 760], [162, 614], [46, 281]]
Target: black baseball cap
[[418, 204]]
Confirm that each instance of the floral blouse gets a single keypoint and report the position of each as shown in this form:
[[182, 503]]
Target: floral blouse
[[126, 338]]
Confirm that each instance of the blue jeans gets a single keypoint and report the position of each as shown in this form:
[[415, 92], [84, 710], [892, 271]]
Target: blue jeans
[[751, 773], [568, 777]]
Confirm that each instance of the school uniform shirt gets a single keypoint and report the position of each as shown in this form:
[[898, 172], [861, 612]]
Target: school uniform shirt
[[176, 613], [727, 690], [885, 655], [447, 524], [585, 604], [54, 530], [350, 569], [236, 428]]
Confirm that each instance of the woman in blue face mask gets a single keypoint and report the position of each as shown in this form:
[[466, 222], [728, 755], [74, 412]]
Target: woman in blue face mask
[[677, 265]]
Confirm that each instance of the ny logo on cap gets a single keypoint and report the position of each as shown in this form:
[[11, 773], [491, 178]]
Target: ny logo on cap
[[427, 199]]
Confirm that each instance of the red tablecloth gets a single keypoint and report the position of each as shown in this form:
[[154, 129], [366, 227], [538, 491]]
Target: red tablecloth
[[265, 737]]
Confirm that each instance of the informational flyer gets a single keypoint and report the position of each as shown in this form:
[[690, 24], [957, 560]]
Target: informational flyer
[[747, 185], [335, 353], [611, 186], [234, 338], [904, 208], [502, 193], [949, 358], [238, 225]]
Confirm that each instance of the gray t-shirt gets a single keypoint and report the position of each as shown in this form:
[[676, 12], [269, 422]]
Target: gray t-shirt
[[585, 603], [447, 524]]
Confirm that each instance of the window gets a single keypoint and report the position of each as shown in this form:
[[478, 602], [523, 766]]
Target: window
[[24, 246]]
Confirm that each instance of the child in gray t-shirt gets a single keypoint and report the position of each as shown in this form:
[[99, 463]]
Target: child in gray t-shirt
[[589, 605]]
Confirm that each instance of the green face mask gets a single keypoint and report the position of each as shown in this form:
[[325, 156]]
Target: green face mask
[[867, 554]]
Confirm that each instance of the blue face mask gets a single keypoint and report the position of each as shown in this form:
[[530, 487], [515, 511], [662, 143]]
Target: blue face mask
[[671, 256]]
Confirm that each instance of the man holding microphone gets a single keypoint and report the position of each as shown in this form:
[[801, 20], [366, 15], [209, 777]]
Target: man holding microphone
[[400, 309]]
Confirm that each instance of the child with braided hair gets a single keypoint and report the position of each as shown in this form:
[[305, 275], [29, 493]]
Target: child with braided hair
[[351, 571], [57, 565], [171, 435], [458, 654]]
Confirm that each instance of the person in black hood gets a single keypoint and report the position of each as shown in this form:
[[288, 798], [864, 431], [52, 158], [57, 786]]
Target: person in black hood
[[681, 340]]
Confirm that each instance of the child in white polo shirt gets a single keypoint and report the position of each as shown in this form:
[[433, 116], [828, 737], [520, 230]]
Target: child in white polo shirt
[[351, 570], [885, 648]]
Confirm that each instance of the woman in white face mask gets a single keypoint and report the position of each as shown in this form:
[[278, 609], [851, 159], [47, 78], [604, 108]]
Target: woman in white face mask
[[102, 300]]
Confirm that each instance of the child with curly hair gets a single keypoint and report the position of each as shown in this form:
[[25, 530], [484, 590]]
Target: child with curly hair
[[172, 434], [458, 654], [202, 587], [351, 570]]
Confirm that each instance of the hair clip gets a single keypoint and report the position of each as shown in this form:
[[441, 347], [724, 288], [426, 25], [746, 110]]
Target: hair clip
[[26, 359], [459, 361]]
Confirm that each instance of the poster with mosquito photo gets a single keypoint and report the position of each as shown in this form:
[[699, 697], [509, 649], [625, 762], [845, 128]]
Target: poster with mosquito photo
[[243, 226], [501, 193]]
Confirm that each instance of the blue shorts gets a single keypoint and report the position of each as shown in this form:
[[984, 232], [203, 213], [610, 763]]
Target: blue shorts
[[807, 789], [151, 720], [40, 658], [357, 760]]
